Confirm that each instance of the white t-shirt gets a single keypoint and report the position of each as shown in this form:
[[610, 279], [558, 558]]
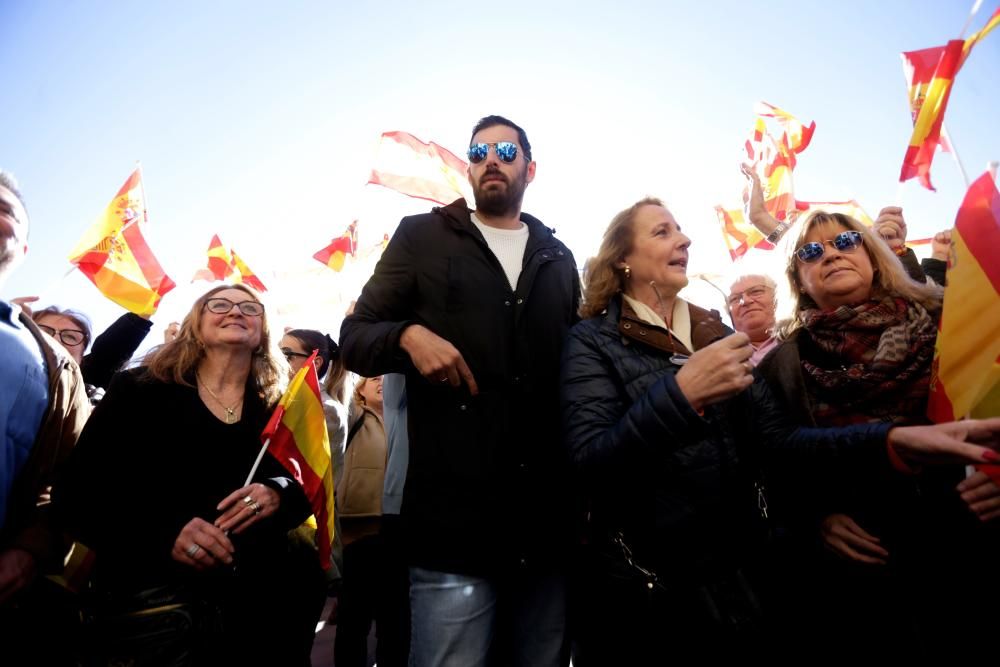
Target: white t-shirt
[[507, 245]]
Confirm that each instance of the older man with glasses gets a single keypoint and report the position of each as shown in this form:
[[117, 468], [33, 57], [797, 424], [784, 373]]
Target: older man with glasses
[[752, 304]]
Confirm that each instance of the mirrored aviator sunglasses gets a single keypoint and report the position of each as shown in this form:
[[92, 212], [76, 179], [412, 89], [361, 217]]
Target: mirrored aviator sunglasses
[[506, 151], [844, 242]]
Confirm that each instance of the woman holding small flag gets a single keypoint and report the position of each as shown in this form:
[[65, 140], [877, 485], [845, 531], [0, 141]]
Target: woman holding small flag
[[157, 487]]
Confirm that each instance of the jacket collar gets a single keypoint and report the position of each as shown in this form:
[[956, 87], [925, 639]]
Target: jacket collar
[[459, 216], [621, 320]]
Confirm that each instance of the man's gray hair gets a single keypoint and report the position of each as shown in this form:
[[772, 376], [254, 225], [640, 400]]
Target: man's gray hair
[[7, 180], [767, 280]]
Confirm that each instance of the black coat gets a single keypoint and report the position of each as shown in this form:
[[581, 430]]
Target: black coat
[[677, 484], [486, 484]]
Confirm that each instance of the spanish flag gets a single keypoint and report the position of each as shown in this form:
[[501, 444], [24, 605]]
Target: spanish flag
[[335, 254], [965, 378], [114, 255], [930, 74], [244, 275], [297, 437], [220, 262], [417, 169]]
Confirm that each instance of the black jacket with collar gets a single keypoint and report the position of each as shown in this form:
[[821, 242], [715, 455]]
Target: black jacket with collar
[[486, 484], [677, 484]]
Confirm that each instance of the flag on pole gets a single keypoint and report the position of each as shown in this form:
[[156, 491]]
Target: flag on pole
[[739, 234], [795, 136], [299, 441], [335, 254], [418, 169], [930, 74], [244, 275], [965, 379], [113, 253], [774, 160], [220, 262]]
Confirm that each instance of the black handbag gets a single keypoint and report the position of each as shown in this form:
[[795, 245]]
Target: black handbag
[[163, 626]]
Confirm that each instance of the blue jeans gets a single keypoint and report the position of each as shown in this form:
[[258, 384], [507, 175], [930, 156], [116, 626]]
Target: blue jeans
[[459, 620]]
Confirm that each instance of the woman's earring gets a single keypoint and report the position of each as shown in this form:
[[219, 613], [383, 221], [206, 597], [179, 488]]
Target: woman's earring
[[628, 272]]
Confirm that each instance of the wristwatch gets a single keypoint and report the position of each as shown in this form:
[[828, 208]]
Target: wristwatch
[[775, 235]]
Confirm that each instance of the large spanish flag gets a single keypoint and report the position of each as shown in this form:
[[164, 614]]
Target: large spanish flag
[[418, 169], [966, 372], [298, 439], [335, 254], [114, 255]]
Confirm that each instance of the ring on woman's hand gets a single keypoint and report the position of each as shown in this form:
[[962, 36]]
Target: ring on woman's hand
[[192, 550], [254, 507], [247, 500], [444, 379]]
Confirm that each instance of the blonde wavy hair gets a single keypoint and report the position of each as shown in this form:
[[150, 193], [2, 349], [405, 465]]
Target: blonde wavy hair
[[890, 277], [602, 278], [176, 362]]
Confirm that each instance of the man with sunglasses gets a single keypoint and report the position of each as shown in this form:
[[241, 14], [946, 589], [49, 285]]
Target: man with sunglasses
[[473, 307], [752, 304], [43, 407]]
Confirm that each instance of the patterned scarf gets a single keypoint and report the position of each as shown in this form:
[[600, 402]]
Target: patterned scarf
[[870, 362]]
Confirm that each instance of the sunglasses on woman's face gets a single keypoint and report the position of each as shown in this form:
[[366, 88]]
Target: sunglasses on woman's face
[[844, 242], [506, 151]]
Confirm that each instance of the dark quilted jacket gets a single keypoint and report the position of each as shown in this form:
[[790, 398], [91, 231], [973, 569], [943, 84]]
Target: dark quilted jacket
[[679, 485]]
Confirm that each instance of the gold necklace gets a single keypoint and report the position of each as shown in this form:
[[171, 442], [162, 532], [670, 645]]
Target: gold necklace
[[230, 412]]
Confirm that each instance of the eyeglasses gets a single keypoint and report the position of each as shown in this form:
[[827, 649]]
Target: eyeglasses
[[291, 354], [755, 293], [844, 242], [71, 337], [221, 306], [506, 151]]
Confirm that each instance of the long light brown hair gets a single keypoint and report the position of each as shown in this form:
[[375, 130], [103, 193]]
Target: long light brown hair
[[602, 277], [176, 361], [890, 277]]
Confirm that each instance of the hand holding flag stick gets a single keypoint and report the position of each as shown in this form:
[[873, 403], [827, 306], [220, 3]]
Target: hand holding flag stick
[[297, 438]]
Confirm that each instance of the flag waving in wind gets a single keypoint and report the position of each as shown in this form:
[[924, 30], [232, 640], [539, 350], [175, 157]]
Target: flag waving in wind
[[113, 253], [220, 262], [930, 74], [335, 254], [296, 436], [418, 169], [245, 275]]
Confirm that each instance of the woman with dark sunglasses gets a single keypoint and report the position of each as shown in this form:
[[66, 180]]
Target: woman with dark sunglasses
[[868, 558], [667, 428]]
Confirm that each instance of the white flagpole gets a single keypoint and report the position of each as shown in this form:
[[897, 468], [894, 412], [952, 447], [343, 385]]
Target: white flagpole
[[954, 153], [256, 464], [968, 21]]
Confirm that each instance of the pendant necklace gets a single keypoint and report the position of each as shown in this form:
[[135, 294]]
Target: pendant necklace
[[230, 411]]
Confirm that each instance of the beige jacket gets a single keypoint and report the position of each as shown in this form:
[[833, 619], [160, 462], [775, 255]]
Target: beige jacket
[[359, 495]]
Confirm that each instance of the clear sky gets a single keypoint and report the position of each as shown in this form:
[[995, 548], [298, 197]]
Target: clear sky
[[259, 120]]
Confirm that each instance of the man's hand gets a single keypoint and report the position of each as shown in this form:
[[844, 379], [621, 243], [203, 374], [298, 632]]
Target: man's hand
[[844, 537], [941, 245], [967, 441], [717, 372], [982, 495], [891, 226], [23, 302], [17, 570], [435, 358], [170, 333]]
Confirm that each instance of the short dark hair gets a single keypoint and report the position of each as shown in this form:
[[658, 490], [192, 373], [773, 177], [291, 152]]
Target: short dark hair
[[8, 181], [493, 121]]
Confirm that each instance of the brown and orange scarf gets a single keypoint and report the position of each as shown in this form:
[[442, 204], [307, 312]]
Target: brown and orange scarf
[[870, 362]]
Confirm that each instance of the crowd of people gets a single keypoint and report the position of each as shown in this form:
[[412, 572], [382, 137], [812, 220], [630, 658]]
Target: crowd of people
[[530, 467]]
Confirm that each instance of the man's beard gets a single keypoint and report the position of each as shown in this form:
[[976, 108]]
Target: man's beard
[[500, 201]]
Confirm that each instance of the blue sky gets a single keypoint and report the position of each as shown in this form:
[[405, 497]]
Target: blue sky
[[259, 120]]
